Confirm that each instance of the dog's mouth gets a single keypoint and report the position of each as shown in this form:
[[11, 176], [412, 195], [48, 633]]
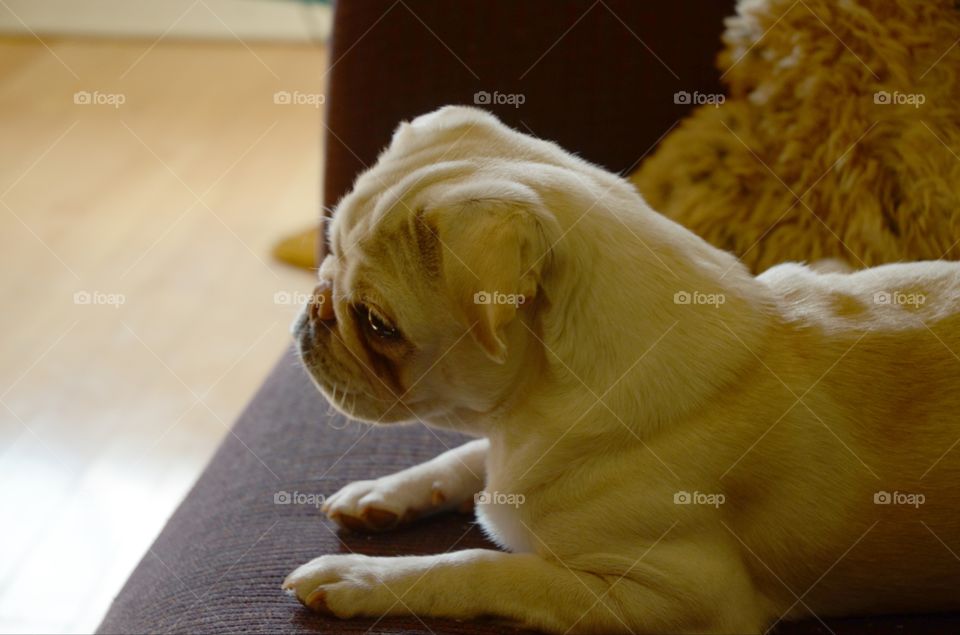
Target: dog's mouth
[[352, 402], [340, 395], [349, 401]]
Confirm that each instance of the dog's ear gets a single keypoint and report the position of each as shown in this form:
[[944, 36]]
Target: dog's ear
[[492, 252]]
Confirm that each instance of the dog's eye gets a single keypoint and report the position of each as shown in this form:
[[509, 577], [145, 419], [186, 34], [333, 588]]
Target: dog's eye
[[376, 324]]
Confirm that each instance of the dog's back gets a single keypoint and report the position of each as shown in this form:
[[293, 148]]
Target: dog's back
[[875, 356]]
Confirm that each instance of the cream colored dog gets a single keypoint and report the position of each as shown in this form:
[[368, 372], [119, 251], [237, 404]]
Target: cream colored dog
[[665, 442]]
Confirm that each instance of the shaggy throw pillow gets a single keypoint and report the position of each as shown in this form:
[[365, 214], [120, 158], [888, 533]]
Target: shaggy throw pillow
[[839, 136]]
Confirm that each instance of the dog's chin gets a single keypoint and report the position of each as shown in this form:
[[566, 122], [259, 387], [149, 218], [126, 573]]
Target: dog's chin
[[357, 404], [362, 407]]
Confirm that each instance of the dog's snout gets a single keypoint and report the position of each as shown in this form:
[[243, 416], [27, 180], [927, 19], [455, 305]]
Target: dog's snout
[[321, 303]]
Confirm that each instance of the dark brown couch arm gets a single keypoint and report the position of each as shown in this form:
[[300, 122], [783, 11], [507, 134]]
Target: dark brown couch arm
[[596, 76]]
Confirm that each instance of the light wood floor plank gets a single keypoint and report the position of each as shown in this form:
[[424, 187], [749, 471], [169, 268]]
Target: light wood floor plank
[[171, 201]]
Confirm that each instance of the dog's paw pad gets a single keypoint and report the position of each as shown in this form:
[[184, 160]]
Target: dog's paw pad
[[382, 505], [379, 519], [317, 601], [349, 522]]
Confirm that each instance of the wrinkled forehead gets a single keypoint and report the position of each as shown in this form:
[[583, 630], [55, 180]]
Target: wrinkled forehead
[[370, 219], [386, 207], [382, 246], [380, 223], [363, 237], [434, 148]]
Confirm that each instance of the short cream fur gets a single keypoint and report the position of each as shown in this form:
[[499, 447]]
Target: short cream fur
[[667, 443]]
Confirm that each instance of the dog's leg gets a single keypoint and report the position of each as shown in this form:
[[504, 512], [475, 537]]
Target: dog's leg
[[699, 595], [446, 482]]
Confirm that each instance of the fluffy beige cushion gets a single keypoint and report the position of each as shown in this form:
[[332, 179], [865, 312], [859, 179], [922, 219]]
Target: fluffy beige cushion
[[822, 148]]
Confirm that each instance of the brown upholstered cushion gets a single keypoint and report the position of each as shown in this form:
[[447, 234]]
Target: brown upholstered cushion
[[218, 564]]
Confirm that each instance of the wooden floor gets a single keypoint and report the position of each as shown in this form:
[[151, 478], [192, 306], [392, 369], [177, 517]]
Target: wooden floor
[[140, 307]]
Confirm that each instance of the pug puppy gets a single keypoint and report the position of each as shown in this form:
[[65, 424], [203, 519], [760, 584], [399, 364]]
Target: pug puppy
[[664, 442]]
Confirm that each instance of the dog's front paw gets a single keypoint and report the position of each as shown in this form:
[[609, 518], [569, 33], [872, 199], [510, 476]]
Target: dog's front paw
[[343, 586], [385, 503], [372, 506]]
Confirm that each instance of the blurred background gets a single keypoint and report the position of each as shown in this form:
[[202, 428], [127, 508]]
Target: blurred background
[[152, 154]]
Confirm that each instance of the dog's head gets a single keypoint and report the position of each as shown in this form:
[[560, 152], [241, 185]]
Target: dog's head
[[433, 276]]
